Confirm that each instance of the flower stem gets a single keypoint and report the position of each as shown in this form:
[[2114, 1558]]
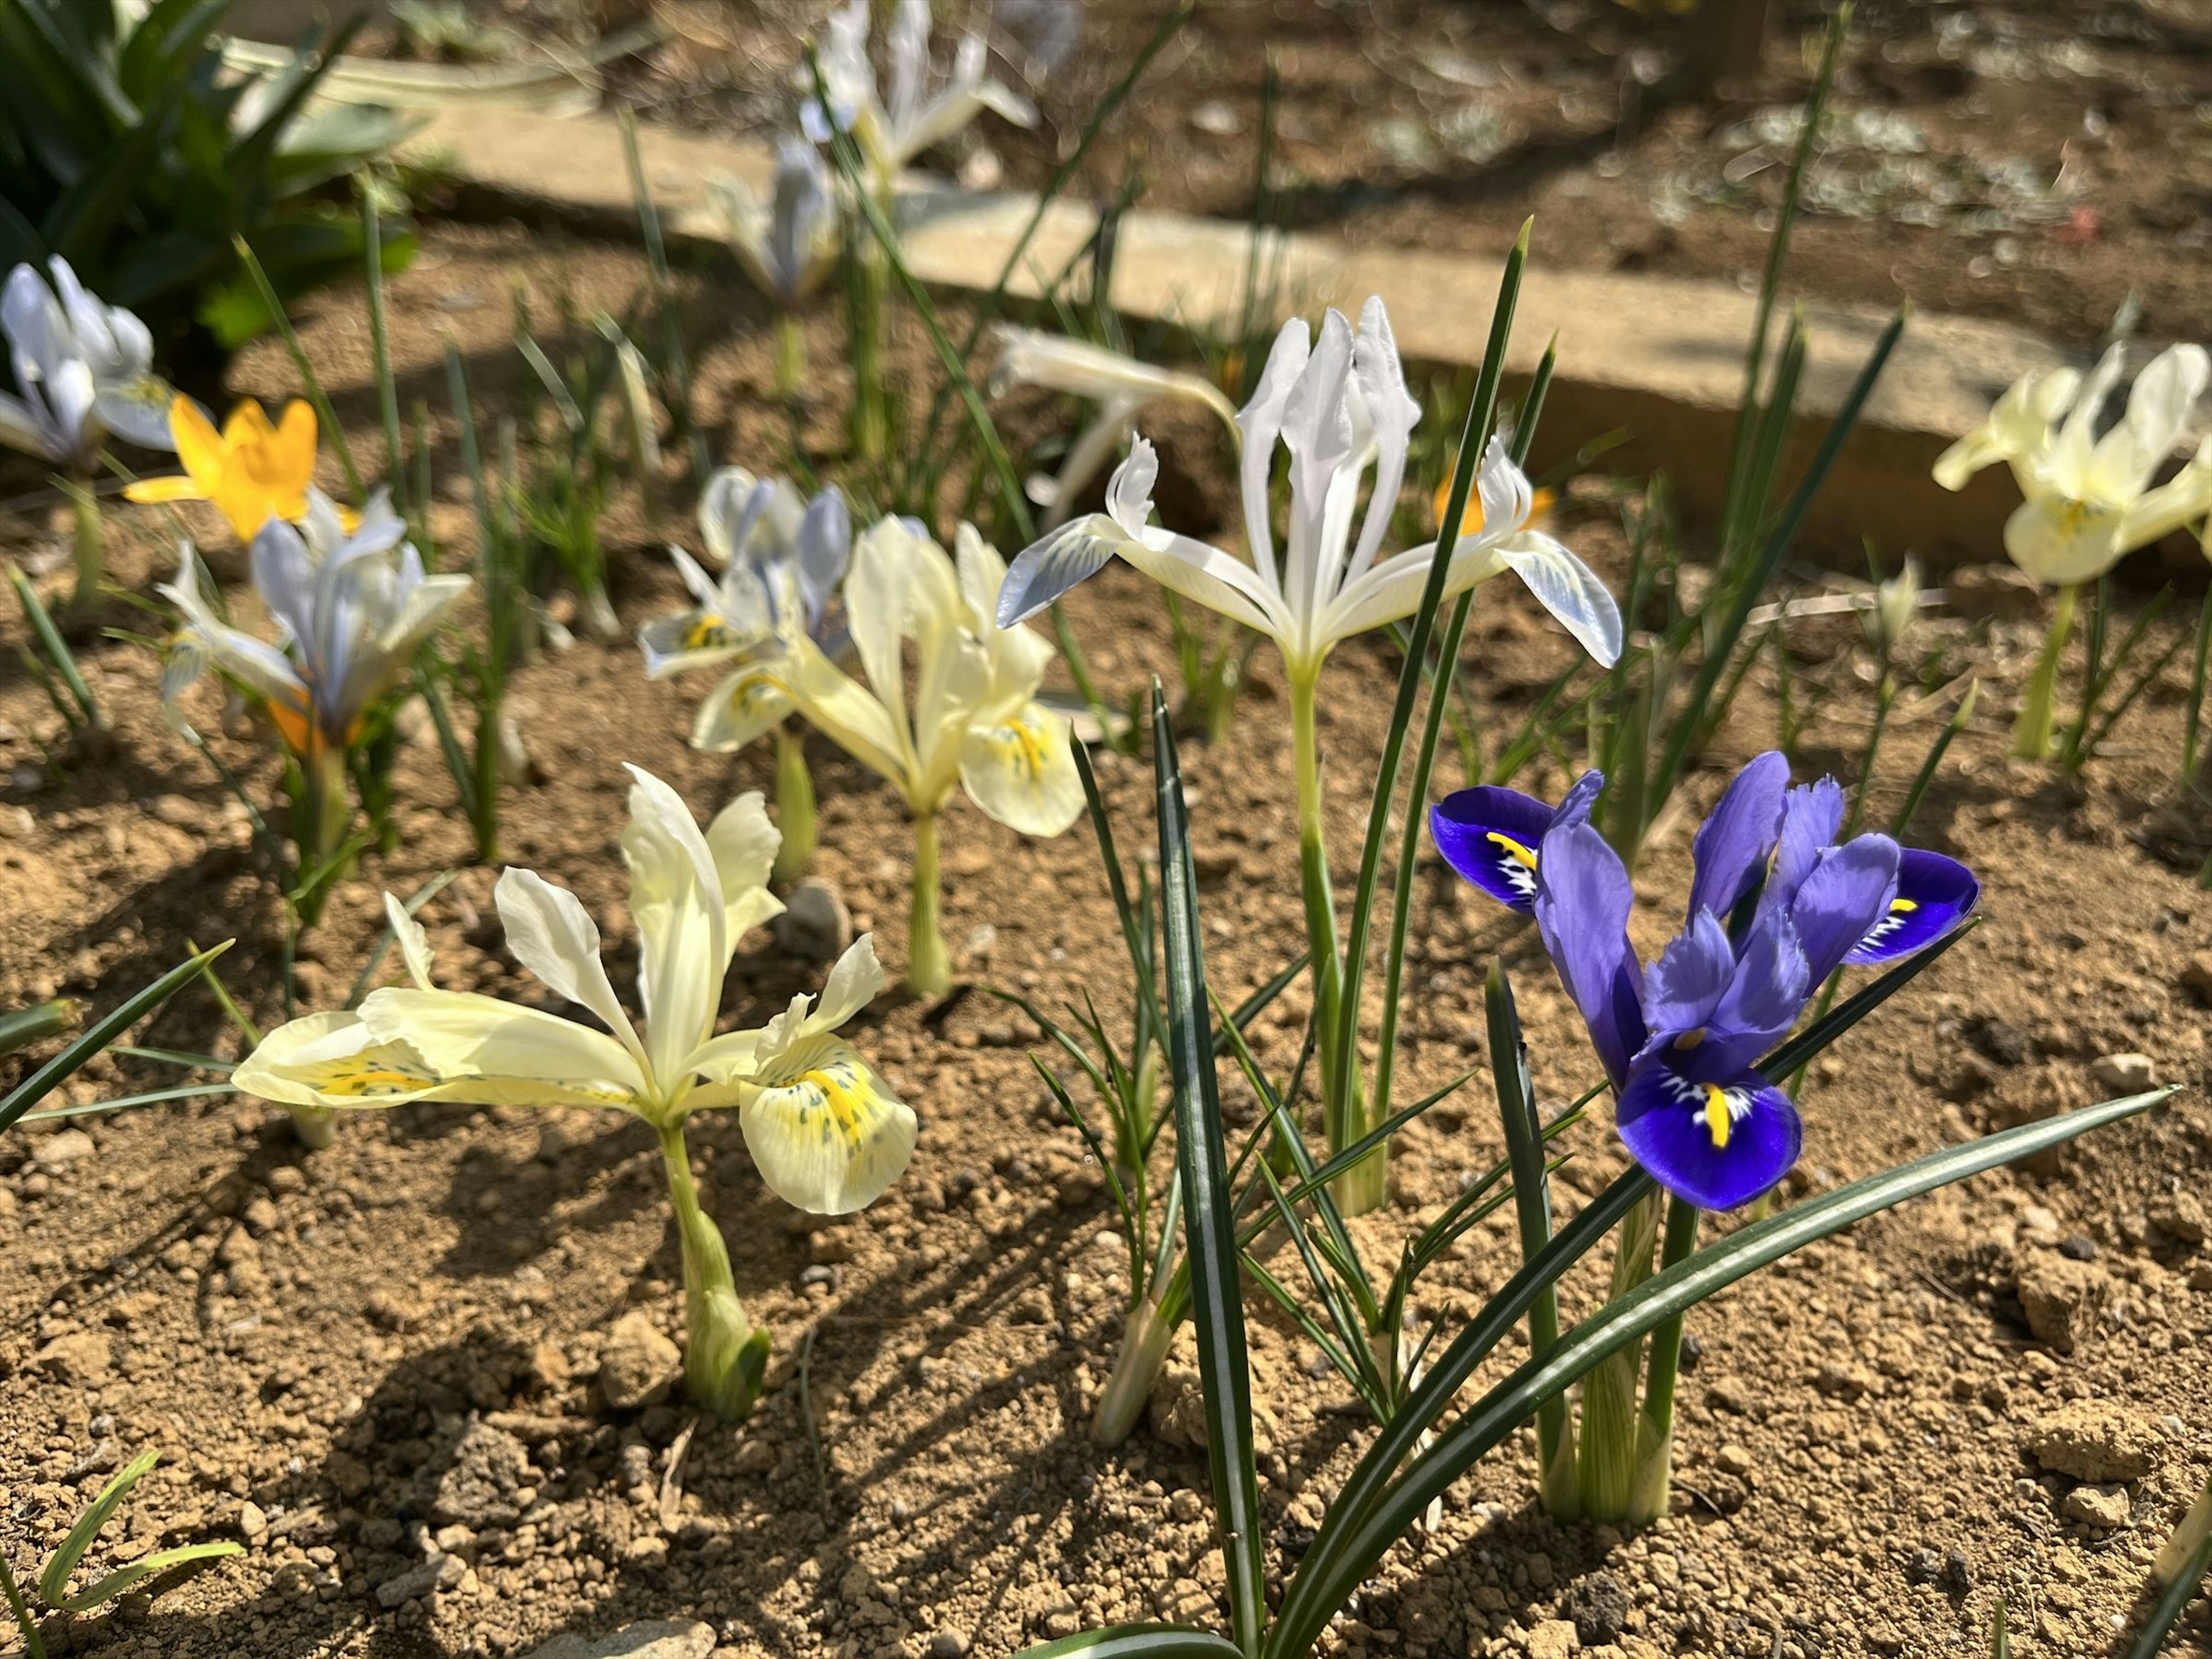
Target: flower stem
[[2194, 729], [725, 1356], [33, 1645], [1145, 1343], [790, 356], [795, 806], [91, 542], [928, 964], [2188, 1538], [2031, 731], [870, 292], [1608, 1448], [1654, 1428], [1367, 1184]]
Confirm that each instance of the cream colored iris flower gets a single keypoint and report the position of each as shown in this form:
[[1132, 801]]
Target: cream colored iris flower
[[2088, 499], [824, 1132], [969, 720]]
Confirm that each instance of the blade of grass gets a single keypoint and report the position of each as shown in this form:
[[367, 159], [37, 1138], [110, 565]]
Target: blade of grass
[[57, 648]]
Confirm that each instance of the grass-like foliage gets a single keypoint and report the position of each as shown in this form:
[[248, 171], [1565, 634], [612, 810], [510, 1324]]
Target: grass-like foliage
[[126, 149]]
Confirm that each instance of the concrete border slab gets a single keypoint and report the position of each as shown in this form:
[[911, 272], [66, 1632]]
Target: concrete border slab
[[1662, 357]]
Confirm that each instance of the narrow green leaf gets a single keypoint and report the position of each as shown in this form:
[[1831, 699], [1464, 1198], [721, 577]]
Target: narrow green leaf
[[125, 1102], [1332, 1573], [1210, 1232], [2167, 1613], [54, 1582], [49, 1077], [21, 1027], [1135, 1642], [161, 1561], [56, 648]]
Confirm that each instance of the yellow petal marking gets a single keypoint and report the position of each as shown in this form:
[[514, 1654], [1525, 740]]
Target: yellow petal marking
[[1513, 849], [1902, 907], [364, 1076], [1691, 1039], [1718, 1118]]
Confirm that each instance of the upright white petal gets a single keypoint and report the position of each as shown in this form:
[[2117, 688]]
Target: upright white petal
[[2126, 458], [551, 934], [676, 899], [1261, 422], [414, 944], [744, 843]]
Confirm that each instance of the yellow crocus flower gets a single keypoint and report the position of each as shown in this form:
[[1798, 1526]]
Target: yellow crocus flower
[[253, 472]]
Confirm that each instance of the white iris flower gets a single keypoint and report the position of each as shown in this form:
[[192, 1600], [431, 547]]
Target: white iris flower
[[912, 110], [824, 1131], [2088, 499], [1340, 408], [350, 611], [788, 242], [972, 720], [84, 372]]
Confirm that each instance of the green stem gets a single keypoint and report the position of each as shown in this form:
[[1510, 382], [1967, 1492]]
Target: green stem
[[2195, 716], [795, 806], [1609, 1425], [33, 1645], [2031, 731], [2188, 1538], [1365, 1185], [870, 296], [1883, 700], [1145, 1345], [725, 1357], [1654, 1428], [790, 357], [928, 964], [91, 542]]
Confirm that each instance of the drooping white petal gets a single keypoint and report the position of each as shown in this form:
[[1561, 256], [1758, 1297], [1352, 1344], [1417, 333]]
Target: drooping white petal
[[551, 934], [824, 1131], [747, 703], [1021, 771], [1570, 590], [481, 1049], [2063, 542]]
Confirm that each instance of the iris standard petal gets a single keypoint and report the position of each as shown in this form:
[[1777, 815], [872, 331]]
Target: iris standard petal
[[551, 934], [1583, 901], [1693, 974], [1838, 905], [1934, 895], [825, 1131], [1717, 1143], [1730, 849], [1766, 994], [1489, 836]]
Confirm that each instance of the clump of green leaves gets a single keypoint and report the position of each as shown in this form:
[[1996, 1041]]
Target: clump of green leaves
[[127, 147], [52, 1586]]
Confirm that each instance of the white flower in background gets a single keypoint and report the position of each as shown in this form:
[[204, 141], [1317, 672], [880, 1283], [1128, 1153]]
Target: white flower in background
[[1339, 407], [912, 111], [825, 1133], [782, 559], [83, 370], [1120, 386], [2088, 501], [788, 241], [971, 720], [350, 612]]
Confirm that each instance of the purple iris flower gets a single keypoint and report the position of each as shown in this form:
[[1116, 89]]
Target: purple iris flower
[[1776, 906]]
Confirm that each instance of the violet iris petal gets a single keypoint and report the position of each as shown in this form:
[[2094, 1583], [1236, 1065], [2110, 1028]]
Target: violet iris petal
[[1838, 904], [1489, 836], [1667, 1118], [1935, 893], [1732, 844], [1583, 901], [1683, 988]]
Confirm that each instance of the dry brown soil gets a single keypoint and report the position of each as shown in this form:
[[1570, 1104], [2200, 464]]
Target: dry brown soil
[[345, 1353], [2038, 162]]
